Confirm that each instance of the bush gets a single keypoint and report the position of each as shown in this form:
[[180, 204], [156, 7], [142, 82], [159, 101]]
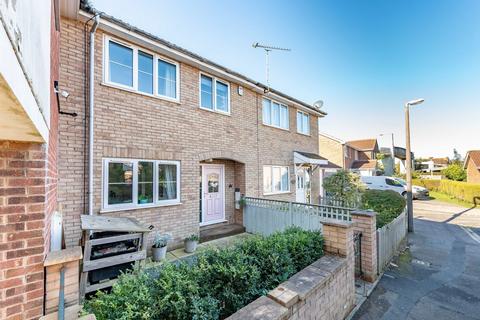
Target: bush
[[464, 191], [344, 185], [455, 172], [387, 204], [216, 285]]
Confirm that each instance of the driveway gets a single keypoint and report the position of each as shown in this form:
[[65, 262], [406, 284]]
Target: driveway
[[438, 276]]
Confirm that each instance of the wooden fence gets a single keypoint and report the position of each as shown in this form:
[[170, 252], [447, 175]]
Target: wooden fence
[[389, 238], [264, 216]]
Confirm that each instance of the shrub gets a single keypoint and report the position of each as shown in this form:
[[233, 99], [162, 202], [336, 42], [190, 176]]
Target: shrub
[[227, 276], [464, 191], [344, 185], [387, 204], [455, 172], [217, 284]]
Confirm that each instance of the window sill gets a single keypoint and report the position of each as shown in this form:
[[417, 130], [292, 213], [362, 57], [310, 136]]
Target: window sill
[[217, 112], [304, 134], [275, 193], [147, 206], [120, 87], [274, 127]]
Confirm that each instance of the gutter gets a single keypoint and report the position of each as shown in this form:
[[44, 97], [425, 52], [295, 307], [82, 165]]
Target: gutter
[[91, 113]]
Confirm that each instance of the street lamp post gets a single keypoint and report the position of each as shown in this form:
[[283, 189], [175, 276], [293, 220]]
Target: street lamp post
[[409, 162]]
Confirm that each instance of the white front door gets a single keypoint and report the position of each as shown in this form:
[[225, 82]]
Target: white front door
[[213, 201], [300, 194]]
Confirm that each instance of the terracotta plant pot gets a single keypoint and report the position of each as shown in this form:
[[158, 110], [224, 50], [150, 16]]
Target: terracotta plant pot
[[190, 246], [158, 254]]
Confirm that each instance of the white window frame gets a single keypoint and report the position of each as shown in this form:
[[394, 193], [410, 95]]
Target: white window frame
[[271, 114], [271, 192], [134, 88], [135, 205], [214, 93], [303, 114]]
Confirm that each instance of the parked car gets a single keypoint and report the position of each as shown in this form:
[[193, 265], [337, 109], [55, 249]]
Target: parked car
[[417, 191], [394, 184], [383, 183]]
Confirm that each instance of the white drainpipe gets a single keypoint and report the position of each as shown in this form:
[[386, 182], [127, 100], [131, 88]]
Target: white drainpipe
[[90, 133]]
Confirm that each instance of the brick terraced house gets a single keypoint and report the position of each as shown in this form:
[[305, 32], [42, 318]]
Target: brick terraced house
[[176, 137], [357, 155], [29, 46], [472, 166]]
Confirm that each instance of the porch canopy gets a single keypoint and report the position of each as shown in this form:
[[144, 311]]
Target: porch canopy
[[306, 158]]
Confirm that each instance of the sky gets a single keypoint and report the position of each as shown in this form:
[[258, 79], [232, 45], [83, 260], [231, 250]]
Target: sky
[[364, 59]]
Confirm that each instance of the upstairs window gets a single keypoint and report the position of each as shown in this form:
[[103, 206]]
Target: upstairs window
[[131, 183], [214, 94], [132, 68], [275, 114], [167, 79], [303, 123], [145, 72], [120, 64]]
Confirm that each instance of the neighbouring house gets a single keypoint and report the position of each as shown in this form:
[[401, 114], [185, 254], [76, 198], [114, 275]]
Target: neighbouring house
[[434, 165], [472, 166], [176, 137], [29, 44], [357, 155]]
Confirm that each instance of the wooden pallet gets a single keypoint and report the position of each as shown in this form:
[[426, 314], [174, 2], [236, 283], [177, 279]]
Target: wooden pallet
[[94, 223]]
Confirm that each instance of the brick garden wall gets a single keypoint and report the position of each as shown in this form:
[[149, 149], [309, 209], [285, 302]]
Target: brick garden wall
[[131, 125]]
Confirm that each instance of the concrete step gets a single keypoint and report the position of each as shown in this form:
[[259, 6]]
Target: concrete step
[[220, 231]]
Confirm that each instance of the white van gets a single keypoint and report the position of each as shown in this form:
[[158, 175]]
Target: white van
[[383, 183]]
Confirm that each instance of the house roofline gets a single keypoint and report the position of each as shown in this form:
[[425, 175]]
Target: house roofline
[[331, 137], [125, 30]]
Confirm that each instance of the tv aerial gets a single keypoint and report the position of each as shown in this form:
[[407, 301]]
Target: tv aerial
[[267, 52]]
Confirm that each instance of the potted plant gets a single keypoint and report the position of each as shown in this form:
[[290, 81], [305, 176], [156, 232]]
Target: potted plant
[[159, 248], [191, 243], [142, 199]]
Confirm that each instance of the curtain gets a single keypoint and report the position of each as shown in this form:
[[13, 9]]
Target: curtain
[[171, 181]]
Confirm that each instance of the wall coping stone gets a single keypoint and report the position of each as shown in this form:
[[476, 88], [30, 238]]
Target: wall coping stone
[[328, 263], [367, 213], [63, 256], [337, 223], [263, 308]]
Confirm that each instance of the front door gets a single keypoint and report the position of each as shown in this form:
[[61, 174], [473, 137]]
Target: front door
[[303, 186], [213, 207]]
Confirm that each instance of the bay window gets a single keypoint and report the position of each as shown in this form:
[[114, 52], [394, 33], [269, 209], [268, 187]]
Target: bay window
[[135, 69], [214, 94], [303, 123], [131, 183], [276, 179], [275, 114]]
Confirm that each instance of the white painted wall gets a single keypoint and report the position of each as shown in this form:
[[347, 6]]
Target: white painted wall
[[26, 25]]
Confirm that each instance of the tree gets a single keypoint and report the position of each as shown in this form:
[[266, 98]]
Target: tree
[[455, 172], [344, 185], [457, 157]]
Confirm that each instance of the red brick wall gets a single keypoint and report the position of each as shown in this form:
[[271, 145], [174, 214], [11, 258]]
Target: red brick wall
[[473, 174], [22, 213]]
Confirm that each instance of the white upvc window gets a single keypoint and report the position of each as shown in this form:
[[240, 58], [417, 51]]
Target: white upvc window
[[303, 123], [214, 94], [275, 114], [276, 179], [135, 69], [135, 183]]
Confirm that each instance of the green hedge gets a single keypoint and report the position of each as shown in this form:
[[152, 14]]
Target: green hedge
[[468, 192], [216, 285], [387, 204]]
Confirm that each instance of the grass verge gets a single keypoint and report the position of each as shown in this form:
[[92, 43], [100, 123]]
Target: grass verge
[[448, 199]]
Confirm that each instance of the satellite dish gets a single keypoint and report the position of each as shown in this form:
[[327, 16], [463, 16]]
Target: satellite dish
[[318, 104]]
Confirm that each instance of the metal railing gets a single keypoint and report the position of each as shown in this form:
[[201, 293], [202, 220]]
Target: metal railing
[[265, 216]]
